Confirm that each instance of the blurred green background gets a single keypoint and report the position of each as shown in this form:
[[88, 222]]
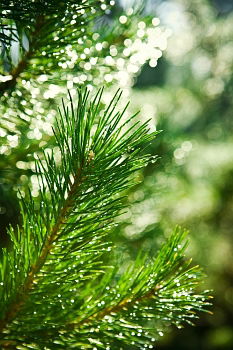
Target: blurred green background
[[188, 95]]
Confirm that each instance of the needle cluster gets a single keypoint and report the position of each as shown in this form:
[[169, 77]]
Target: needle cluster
[[60, 285]]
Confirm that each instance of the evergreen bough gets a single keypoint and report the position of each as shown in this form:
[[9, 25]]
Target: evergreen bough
[[58, 289], [61, 285]]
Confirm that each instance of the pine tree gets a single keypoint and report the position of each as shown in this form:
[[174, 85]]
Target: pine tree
[[61, 285]]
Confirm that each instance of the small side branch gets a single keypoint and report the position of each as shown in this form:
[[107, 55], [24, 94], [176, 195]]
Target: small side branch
[[124, 304], [23, 64], [22, 295]]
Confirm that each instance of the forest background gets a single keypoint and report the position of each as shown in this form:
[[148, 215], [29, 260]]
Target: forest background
[[188, 95]]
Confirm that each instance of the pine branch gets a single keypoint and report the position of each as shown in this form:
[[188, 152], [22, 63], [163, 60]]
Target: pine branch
[[114, 177], [23, 64], [60, 48], [49, 27], [171, 287], [27, 11], [22, 295], [118, 308], [51, 292]]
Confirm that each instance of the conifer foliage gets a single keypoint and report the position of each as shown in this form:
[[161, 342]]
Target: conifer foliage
[[55, 287], [61, 286]]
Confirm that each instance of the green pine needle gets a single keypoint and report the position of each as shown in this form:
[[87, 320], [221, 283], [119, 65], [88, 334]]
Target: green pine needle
[[55, 290]]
